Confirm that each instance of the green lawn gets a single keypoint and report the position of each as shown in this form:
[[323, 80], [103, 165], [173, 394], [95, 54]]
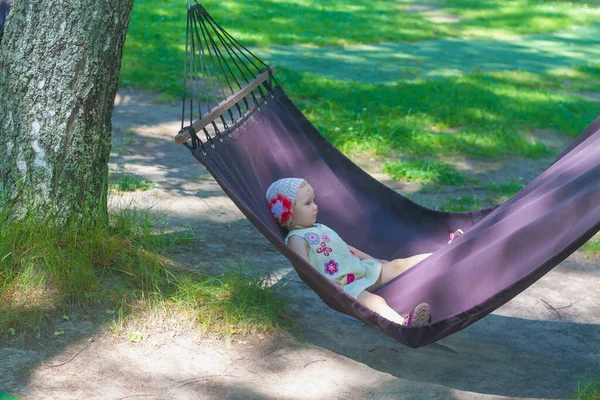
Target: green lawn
[[156, 39], [341, 22], [479, 115]]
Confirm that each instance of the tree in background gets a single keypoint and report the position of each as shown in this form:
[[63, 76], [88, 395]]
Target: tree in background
[[59, 72]]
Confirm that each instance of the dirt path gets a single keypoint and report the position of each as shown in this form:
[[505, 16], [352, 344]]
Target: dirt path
[[536, 346]]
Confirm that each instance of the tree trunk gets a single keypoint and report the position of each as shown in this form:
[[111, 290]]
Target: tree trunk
[[59, 71]]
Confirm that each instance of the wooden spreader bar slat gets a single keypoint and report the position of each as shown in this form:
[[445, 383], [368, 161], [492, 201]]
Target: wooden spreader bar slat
[[223, 106]]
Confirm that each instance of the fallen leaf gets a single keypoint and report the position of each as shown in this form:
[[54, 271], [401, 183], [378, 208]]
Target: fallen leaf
[[135, 337]]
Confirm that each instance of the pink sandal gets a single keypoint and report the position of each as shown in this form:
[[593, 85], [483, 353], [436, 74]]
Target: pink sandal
[[420, 316]]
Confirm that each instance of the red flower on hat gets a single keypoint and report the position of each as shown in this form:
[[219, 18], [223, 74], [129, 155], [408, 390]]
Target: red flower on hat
[[281, 208]]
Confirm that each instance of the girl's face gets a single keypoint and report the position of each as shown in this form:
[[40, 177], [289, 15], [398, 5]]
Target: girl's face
[[305, 209]]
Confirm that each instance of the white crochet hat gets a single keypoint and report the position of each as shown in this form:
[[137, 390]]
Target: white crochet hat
[[281, 196]]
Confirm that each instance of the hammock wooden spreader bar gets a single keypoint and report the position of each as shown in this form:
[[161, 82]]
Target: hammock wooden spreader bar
[[184, 135]]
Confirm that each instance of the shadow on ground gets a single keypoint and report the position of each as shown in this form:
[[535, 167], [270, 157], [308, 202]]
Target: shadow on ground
[[393, 62]]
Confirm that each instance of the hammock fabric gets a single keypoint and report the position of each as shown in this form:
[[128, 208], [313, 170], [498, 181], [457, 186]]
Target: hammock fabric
[[503, 251]]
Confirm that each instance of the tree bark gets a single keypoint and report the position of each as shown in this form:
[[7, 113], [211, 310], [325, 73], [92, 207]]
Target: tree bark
[[59, 71]]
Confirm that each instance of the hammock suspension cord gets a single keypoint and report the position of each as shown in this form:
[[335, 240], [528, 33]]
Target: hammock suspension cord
[[220, 75]]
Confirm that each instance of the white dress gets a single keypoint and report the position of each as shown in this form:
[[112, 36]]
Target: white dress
[[330, 255]]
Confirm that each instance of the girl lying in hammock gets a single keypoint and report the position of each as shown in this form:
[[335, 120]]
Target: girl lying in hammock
[[292, 204]]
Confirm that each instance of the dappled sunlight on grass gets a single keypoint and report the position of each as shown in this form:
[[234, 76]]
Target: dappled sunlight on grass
[[153, 55], [491, 18], [154, 49], [392, 61], [425, 171], [488, 113]]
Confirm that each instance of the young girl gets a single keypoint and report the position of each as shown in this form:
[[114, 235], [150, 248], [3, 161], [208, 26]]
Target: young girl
[[292, 204]]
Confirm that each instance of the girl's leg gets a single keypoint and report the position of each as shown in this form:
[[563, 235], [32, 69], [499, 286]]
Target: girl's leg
[[392, 269], [379, 305]]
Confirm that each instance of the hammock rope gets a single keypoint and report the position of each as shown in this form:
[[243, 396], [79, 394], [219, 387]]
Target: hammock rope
[[220, 75]]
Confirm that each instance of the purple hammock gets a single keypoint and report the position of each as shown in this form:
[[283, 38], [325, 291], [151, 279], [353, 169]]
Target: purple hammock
[[504, 250]]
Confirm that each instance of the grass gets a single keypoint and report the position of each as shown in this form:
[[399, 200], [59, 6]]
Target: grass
[[495, 194], [129, 183], [463, 203], [269, 22], [592, 247], [502, 192], [154, 50], [589, 390], [478, 115], [425, 171], [45, 271]]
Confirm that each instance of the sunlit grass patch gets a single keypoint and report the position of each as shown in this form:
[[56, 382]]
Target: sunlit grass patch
[[232, 303], [130, 183], [493, 18], [567, 80], [463, 203], [425, 171], [120, 267], [267, 22], [485, 115]]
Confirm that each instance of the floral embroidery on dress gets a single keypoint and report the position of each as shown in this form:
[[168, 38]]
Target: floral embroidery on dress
[[331, 267], [325, 238], [350, 278], [312, 238], [324, 249]]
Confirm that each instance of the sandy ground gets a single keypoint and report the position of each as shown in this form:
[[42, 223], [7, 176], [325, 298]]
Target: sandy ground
[[537, 346]]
